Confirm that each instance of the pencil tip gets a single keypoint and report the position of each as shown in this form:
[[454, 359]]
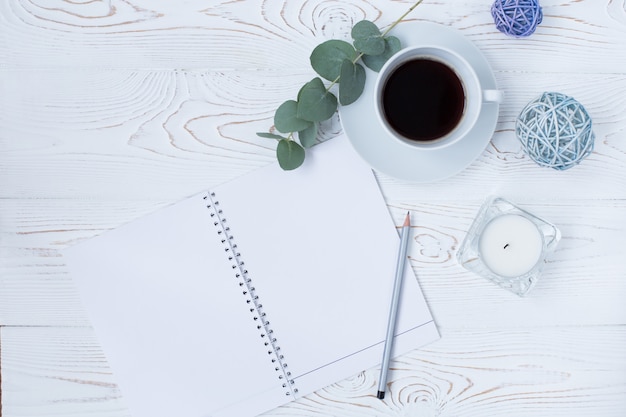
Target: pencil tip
[[407, 219], [380, 395]]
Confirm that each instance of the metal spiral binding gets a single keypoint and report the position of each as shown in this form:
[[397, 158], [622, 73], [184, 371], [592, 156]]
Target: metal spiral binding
[[252, 299]]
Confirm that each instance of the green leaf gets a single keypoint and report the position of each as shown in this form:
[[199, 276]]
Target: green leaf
[[286, 119], [269, 135], [290, 154], [367, 38], [315, 104], [352, 82], [327, 57], [307, 136], [376, 62]]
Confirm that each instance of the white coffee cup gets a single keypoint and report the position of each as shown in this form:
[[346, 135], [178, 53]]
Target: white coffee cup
[[466, 105]]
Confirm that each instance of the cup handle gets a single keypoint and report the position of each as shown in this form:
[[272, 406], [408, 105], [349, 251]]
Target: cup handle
[[494, 96]]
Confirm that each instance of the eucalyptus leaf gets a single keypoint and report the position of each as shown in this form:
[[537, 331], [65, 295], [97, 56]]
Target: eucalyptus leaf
[[315, 103], [290, 154], [286, 119], [307, 136], [337, 62], [352, 82], [367, 38], [327, 57], [269, 135], [376, 62]]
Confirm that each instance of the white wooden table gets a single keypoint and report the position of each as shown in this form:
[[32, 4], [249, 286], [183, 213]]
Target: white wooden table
[[110, 109]]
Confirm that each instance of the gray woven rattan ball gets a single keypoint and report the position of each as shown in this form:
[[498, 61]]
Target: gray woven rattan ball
[[555, 131]]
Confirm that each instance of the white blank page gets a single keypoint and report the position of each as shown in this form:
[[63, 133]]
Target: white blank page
[[321, 249], [171, 317]]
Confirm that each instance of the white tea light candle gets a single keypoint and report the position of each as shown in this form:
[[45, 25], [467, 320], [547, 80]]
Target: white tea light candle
[[511, 245], [508, 245]]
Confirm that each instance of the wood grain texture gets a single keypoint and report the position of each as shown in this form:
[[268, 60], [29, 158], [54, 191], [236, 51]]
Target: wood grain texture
[[168, 134], [57, 371], [277, 34], [111, 109], [38, 291], [555, 371]]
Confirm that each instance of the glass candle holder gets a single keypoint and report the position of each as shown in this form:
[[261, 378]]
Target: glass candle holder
[[508, 245]]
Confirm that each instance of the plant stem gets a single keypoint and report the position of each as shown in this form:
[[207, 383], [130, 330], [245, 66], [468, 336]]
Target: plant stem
[[336, 80], [393, 25]]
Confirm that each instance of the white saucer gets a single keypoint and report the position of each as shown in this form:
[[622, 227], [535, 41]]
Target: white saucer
[[386, 154]]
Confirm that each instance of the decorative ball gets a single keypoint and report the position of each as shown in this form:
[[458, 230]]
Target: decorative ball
[[517, 18], [555, 131]]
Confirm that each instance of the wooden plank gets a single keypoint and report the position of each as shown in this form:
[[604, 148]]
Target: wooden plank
[[582, 283], [152, 34], [57, 372], [168, 134], [557, 371], [550, 372]]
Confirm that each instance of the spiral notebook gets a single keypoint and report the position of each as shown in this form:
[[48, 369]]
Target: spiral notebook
[[253, 294]]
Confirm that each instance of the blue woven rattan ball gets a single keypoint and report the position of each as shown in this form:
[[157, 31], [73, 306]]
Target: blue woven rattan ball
[[555, 131], [517, 18]]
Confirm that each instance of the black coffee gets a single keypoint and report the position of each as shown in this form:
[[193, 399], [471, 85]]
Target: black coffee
[[423, 99]]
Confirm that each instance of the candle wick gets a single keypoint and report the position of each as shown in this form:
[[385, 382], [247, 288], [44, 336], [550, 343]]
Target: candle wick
[[506, 246]]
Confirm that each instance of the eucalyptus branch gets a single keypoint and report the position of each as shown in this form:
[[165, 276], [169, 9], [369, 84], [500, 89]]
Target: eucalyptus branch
[[338, 62]]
